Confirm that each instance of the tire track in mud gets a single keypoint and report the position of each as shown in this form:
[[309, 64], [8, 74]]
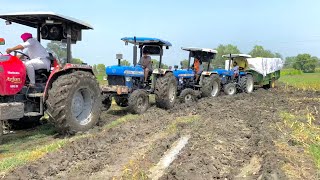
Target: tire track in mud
[[231, 133]]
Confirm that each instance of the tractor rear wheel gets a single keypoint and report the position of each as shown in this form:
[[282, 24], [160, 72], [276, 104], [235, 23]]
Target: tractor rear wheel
[[74, 102], [246, 83], [211, 86], [230, 89], [188, 96], [138, 101], [165, 91], [121, 101]]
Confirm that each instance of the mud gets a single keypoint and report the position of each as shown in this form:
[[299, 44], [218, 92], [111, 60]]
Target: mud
[[232, 137]]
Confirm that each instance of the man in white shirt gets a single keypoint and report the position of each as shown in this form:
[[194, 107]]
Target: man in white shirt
[[235, 69], [37, 54]]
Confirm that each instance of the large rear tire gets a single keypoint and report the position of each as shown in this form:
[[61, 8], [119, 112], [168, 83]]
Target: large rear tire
[[74, 102], [188, 96], [165, 91], [247, 83], [211, 86], [138, 102], [230, 89], [121, 101]]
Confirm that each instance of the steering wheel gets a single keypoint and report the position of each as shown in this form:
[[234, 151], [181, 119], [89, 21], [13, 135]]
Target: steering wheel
[[19, 52]]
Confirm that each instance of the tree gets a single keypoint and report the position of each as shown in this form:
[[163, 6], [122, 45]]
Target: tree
[[259, 51], [184, 64], [101, 69], [155, 64], [76, 61], [219, 61], [305, 62], [125, 63], [58, 48], [289, 62], [94, 69]]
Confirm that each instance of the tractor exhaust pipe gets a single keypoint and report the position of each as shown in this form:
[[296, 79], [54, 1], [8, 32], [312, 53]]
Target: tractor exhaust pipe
[[135, 52]]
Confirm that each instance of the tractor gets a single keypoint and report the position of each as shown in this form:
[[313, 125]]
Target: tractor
[[126, 83], [192, 85], [68, 93], [232, 82]]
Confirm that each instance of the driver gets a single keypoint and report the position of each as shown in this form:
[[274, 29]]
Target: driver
[[37, 54], [146, 63]]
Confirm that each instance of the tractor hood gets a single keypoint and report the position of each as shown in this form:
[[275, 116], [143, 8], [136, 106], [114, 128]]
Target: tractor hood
[[183, 73], [129, 71]]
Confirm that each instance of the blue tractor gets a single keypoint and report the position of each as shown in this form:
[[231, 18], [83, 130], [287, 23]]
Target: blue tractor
[[192, 84], [233, 82], [127, 83]]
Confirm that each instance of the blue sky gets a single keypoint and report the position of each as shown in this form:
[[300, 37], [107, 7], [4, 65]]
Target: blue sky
[[289, 27]]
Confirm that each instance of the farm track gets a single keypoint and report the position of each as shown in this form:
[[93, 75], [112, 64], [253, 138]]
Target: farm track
[[231, 137]]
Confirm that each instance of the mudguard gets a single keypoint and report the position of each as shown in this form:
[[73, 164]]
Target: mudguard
[[58, 71]]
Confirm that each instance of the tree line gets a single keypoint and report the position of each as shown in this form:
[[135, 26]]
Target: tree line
[[304, 62]]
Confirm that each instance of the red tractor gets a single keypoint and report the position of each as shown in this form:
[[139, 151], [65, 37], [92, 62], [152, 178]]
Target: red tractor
[[68, 93]]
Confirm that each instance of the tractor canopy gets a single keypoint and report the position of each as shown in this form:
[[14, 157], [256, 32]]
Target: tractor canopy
[[146, 41], [52, 26], [204, 54]]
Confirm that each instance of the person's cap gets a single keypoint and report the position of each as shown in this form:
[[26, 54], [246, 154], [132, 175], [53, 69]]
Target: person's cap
[[26, 36]]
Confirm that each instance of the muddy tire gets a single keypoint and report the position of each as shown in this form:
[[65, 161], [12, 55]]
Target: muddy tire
[[187, 96], [246, 83], [74, 102], [165, 91], [121, 101], [138, 102], [106, 103], [211, 86], [230, 89]]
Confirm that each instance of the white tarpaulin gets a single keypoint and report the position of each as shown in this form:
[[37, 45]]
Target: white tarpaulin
[[265, 66]]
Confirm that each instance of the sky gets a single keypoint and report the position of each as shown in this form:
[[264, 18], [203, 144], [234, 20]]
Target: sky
[[289, 27]]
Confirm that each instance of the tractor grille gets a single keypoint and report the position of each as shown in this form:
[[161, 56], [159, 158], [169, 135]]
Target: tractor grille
[[116, 80]]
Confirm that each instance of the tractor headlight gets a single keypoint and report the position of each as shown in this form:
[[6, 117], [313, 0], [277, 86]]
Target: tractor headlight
[[128, 79]]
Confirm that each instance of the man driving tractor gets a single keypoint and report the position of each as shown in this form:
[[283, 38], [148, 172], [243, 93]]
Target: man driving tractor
[[37, 54], [198, 68], [146, 63]]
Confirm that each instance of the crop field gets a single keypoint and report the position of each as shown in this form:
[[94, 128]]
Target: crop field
[[266, 134]]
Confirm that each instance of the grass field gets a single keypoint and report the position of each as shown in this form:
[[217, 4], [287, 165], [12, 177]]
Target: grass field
[[307, 132], [305, 81]]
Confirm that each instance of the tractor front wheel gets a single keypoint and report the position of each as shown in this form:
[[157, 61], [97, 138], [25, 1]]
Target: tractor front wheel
[[165, 91], [74, 102], [230, 89], [138, 101], [188, 96]]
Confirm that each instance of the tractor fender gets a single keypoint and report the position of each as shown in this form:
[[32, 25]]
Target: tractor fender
[[58, 71], [208, 73], [161, 71]]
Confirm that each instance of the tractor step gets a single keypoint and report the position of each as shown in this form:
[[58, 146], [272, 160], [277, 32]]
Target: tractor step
[[30, 114], [35, 95]]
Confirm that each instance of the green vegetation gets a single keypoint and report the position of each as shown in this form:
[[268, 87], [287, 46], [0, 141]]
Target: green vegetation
[[315, 152], [306, 81]]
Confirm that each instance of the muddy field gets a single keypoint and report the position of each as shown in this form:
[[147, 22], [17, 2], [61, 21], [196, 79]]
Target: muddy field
[[230, 138]]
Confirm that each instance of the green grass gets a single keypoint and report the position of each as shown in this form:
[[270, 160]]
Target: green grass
[[285, 72], [315, 152], [306, 81]]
